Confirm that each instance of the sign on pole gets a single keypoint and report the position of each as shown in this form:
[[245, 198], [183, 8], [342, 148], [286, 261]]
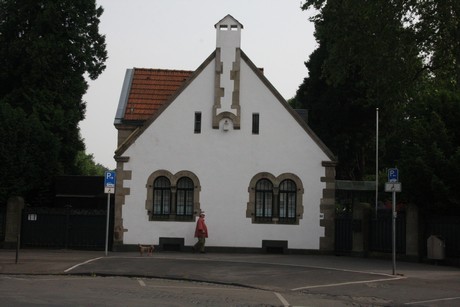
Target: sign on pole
[[393, 185], [109, 182], [110, 179], [393, 175]]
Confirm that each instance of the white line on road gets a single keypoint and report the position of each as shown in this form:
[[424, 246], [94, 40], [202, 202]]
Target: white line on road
[[348, 283], [141, 282], [282, 299], [432, 301], [77, 265]]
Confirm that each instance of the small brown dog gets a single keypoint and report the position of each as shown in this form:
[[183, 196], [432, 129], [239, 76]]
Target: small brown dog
[[148, 249]]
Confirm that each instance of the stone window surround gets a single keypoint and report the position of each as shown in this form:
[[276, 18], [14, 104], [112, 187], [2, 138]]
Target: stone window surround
[[276, 181], [173, 179]]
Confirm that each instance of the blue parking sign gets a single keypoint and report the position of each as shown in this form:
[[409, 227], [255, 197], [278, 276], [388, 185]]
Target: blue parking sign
[[393, 175], [110, 179]]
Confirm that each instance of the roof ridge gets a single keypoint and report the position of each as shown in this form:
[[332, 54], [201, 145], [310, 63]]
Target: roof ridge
[[162, 69]]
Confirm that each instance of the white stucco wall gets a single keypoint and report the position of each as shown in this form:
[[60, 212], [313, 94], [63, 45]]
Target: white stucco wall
[[225, 162]]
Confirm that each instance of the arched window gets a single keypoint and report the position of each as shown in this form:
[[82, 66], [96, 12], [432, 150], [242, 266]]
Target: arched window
[[287, 200], [161, 197], [173, 197], [264, 200], [184, 200], [275, 200]]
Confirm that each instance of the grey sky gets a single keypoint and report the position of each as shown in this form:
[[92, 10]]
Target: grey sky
[[180, 34]]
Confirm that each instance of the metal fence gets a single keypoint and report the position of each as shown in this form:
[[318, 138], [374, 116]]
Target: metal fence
[[64, 228], [448, 229], [343, 233], [381, 232], [2, 222]]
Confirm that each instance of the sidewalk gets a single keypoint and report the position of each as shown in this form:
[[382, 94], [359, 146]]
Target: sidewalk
[[37, 261], [31, 261], [296, 277]]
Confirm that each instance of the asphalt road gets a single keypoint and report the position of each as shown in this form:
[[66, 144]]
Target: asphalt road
[[180, 279]]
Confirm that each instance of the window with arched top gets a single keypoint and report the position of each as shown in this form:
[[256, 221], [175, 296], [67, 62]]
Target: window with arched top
[[161, 196], [184, 199], [275, 199], [172, 197], [264, 199], [287, 200]]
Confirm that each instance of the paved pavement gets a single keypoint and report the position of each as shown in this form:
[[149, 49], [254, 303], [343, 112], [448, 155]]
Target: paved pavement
[[244, 269], [311, 274]]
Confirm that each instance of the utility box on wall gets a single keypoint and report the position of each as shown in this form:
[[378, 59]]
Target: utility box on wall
[[435, 248]]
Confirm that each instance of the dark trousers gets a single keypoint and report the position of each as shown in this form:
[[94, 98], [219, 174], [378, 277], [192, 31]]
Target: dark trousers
[[199, 246]]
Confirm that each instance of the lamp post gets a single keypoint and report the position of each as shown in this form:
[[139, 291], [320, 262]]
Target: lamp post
[[376, 160]]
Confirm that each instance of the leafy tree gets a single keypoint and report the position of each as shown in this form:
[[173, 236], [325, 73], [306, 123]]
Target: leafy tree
[[430, 154], [437, 27], [403, 57], [85, 162], [46, 49], [28, 153], [334, 117], [366, 59]]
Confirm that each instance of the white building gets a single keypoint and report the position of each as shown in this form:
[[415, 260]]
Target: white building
[[223, 140]]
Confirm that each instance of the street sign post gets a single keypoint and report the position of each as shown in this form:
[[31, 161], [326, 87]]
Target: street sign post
[[393, 185], [109, 182], [110, 179], [393, 175]]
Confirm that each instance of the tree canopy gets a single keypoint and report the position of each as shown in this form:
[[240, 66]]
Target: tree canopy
[[47, 48], [403, 57]]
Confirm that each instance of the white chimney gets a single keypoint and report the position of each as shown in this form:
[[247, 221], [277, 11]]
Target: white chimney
[[228, 33], [227, 81]]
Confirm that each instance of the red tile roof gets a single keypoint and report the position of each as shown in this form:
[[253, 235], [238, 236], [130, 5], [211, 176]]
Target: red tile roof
[[150, 89]]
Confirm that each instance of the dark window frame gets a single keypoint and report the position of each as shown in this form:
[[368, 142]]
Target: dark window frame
[[184, 197], [161, 193], [255, 123], [287, 209], [264, 200], [284, 195], [197, 123]]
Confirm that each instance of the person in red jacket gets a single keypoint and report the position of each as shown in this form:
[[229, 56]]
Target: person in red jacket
[[201, 232]]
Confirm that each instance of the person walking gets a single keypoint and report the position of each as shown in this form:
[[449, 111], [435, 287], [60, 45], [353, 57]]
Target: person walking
[[201, 232]]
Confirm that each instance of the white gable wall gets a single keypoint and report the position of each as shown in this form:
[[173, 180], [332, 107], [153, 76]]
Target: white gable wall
[[225, 162]]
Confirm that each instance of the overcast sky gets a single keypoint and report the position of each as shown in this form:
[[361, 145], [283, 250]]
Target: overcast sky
[[180, 34]]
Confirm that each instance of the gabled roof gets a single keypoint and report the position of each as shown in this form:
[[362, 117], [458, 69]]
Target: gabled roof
[[228, 19], [146, 91], [192, 75]]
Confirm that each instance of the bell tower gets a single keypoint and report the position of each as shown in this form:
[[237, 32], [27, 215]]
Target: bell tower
[[226, 108]]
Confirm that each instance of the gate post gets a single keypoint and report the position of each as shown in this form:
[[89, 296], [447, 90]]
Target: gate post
[[361, 220], [327, 208], [412, 230], [14, 208]]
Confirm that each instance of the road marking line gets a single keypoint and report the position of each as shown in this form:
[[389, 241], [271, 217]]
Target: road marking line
[[207, 259], [282, 299], [348, 283], [86, 262], [432, 301], [141, 282], [235, 288]]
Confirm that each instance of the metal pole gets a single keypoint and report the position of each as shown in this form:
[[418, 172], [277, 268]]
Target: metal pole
[[18, 244], [393, 209], [107, 225], [376, 161]]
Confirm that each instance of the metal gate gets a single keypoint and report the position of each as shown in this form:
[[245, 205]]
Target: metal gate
[[381, 232], [2, 223], [448, 229], [65, 228], [344, 233]]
